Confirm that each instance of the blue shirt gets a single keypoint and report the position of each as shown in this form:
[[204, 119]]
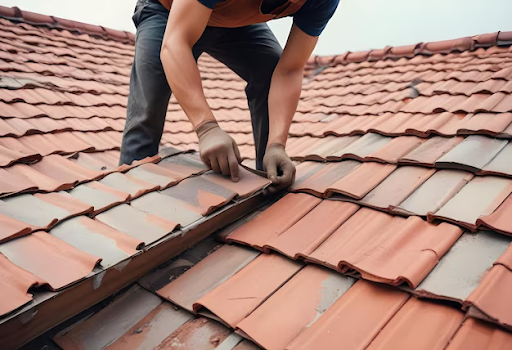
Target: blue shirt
[[311, 18]]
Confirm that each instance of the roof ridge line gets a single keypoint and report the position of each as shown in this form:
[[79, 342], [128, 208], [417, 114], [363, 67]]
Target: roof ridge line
[[16, 14], [463, 44]]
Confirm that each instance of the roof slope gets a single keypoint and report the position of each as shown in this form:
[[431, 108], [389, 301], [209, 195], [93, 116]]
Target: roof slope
[[403, 191]]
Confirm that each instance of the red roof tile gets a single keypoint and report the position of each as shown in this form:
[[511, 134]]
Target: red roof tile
[[419, 325]]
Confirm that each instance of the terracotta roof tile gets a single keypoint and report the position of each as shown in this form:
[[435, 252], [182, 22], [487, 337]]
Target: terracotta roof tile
[[472, 154], [322, 180], [97, 239], [404, 262], [214, 270], [474, 334], [491, 191], [430, 151], [301, 239], [142, 226], [99, 196], [460, 271], [275, 220], [294, 307], [361, 180], [491, 297], [259, 279], [15, 291], [354, 319], [247, 185], [49, 258], [200, 195], [434, 193], [127, 184], [420, 325], [166, 207], [397, 186]]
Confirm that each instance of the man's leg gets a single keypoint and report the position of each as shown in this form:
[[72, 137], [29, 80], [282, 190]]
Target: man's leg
[[149, 91], [252, 52]]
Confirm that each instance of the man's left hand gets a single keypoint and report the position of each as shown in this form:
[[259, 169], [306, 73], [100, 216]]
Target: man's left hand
[[279, 167]]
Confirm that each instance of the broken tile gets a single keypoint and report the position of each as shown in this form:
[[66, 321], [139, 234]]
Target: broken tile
[[201, 195], [361, 180], [480, 197], [295, 307], [461, 269], [128, 184], [152, 329], [313, 229], [275, 220], [100, 196], [241, 294], [15, 288], [97, 239], [111, 323], [475, 335], [142, 226], [434, 193], [247, 185], [472, 154], [354, 319], [209, 273], [385, 248], [167, 208], [318, 183], [50, 259], [492, 296], [397, 186], [419, 325], [431, 150], [199, 333]]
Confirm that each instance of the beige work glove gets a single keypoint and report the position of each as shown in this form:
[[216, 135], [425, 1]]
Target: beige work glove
[[279, 167], [218, 150]]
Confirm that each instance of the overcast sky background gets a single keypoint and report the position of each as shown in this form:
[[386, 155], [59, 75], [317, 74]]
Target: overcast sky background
[[357, 24]]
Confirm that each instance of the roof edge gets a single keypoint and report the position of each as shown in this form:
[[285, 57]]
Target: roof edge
[[469, 43], [16, 15]]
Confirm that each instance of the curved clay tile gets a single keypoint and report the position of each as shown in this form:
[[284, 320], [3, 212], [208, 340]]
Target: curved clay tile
[[14, 290], [50, 259]]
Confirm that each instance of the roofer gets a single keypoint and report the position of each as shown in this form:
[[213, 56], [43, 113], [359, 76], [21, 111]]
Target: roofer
[[171, 39]]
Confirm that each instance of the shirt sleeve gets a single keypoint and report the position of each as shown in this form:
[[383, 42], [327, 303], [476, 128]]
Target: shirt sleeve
[[209, 3], [314, 15]]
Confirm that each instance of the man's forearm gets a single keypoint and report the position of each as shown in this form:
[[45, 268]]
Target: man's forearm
[[184, 79], [282, 103]]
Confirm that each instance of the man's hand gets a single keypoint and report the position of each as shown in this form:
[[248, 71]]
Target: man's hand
[[279, 167], [218, 150]]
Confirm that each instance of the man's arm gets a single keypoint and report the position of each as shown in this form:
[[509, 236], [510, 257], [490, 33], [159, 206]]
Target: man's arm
[[282, 104], [187, 22]]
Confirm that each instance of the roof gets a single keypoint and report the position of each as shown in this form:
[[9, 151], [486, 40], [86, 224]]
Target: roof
[[396, 233]]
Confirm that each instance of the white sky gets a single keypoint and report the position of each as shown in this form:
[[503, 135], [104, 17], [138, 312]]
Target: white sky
[[357, 24]]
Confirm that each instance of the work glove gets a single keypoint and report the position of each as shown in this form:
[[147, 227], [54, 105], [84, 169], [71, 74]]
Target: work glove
[[218, 150], [279, 167]]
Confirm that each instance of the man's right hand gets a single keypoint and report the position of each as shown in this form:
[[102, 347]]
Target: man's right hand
[[218, 150]]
